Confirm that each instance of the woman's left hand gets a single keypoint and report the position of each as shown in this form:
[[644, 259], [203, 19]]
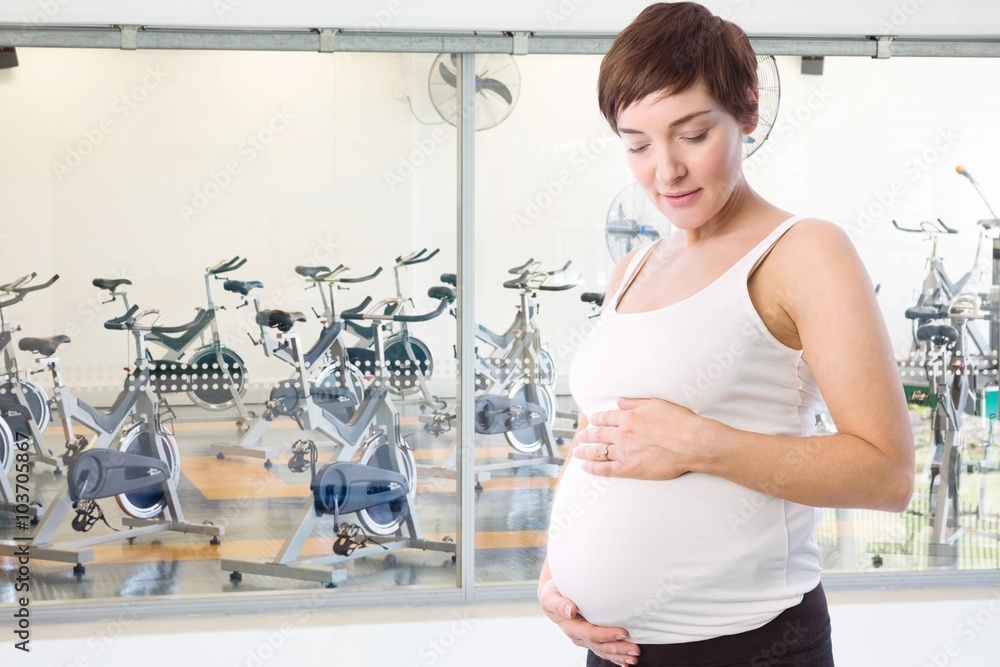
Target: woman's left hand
[[647, 438]]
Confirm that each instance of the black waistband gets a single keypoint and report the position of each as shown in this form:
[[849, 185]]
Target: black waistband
[[799, 628]]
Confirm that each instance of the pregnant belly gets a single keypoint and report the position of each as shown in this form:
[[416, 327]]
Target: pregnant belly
[[674, 556]]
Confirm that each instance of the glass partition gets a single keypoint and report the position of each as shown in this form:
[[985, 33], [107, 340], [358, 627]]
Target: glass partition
[[213, 218], [545, 177]]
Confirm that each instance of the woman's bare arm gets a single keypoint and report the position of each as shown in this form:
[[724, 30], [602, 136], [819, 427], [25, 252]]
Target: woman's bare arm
[[870, 461]]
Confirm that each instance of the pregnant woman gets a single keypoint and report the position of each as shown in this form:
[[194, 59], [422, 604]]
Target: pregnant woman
[[683, 527]]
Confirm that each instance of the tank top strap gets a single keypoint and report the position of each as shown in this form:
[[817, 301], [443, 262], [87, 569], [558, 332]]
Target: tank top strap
[[634, 266], [753, 259]]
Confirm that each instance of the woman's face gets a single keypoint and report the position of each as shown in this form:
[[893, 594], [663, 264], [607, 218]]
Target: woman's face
[[686, 152]]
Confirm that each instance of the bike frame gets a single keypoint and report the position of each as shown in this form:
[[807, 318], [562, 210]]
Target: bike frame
[[13, 372], [137, 402]]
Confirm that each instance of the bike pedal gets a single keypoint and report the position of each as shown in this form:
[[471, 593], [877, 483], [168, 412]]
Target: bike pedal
[[87, 514]]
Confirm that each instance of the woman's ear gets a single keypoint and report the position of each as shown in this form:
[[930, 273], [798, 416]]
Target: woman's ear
[[751, 125]]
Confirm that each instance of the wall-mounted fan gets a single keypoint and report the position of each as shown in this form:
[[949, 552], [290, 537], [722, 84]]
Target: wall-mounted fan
[[498, 84], [633, 222], [769, 88]]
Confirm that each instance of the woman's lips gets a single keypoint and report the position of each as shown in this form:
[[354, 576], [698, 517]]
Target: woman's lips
[[681, 199]]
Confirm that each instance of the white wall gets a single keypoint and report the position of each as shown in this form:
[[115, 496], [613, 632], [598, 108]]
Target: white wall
[[121, 171], [760, 17], [944, 628]]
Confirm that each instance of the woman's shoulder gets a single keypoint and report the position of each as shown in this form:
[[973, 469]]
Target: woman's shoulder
[[619, 272], [816, 233], [816, 253]]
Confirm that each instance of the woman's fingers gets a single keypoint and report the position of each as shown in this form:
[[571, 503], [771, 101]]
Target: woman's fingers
[[617, 658], [556, 606], [610, 643], [599, 634]]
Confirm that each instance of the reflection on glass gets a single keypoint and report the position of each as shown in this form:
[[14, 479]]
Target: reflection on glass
[[276, 307]]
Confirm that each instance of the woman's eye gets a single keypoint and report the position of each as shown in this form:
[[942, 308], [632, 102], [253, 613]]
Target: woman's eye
[[640, 149], [700, 137]]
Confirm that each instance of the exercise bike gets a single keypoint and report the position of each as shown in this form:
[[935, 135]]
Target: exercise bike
[[501, 344], [24, 404], [212, 375], [133, 425], [379, 488], [14, 445], [324, 389], [938, 288], [334, 355], [408, 359], [511, 398], [951, 376]]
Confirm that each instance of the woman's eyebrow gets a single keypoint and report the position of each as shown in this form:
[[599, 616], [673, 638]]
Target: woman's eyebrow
[[690, 116], [679, 121]]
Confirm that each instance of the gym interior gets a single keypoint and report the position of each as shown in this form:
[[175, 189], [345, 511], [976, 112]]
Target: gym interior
[[242, 261]]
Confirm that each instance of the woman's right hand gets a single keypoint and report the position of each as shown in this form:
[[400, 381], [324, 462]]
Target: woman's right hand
[[608, 643]]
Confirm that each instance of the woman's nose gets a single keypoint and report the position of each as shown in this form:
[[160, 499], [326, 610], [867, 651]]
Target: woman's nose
[[669, 167]]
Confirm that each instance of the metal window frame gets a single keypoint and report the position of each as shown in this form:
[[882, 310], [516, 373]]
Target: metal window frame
[[329, 40], [332, 39]]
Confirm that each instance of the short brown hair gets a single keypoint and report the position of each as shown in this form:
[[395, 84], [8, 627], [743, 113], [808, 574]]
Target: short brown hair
[[668, 48]]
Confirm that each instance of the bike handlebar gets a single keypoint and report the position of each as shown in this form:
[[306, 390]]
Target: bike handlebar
[[442, 304], [357, 312], [940, 228], [416, 257], [14, 284], [226, 265], [413, 255], [121, 323], [35, 288], [564, 268], [362, 278], [515, 283], [11, 302], [444, 295], [522, 281], [520, 269]]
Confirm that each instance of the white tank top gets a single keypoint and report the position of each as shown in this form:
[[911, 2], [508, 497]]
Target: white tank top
[[697, 556]]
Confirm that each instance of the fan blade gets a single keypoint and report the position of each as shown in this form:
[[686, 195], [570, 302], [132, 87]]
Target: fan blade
[[497, 87], [448, 76]]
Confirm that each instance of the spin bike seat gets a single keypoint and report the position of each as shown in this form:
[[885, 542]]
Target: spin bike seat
[[242, 287], [43, 346], [442, 292], [938, 334], [449, 279], [596, 298], [311, 271], [110, 284], [279, 319]]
